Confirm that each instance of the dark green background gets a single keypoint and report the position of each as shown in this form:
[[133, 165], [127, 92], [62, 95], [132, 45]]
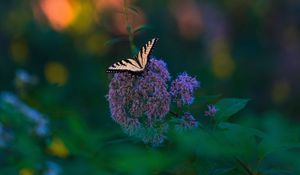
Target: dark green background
[[262, 38]]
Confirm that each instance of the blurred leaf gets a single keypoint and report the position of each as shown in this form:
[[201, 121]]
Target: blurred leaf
[[269, 147], [206, 99], [204, 143], [277, 172], [143, 27], [115, 41], [133, 10], [239, 128], [221, 171], [139, 161], [228, 107], [28, 149]]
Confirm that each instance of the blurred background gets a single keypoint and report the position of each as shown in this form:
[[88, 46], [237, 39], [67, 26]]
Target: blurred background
[[53, 56]]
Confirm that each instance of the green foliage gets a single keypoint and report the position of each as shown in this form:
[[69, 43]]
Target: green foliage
[[228, 107], [83, 139]]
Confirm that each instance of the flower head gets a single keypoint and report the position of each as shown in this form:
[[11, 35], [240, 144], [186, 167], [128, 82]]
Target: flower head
[[133, 97], [187, 122], [211, 111], [182, 89]]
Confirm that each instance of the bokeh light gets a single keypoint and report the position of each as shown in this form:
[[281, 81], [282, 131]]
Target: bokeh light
[[19, 51], [26, 171], [60, 13], [188, 16], [58, 148], [223, 65], [280, 91], [56, 73]]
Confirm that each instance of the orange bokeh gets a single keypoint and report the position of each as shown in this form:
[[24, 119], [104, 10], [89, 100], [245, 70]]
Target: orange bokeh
[[109, 4], [60, 13], [188, 16]]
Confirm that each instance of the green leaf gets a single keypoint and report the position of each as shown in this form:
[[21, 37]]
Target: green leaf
[[143, 27], [228, 107], [114, 41], [239, 128], [221, 171]]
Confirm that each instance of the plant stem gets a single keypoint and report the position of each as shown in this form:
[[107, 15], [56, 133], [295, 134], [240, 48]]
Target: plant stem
[[173, 113], [129, 29], [246, 168]]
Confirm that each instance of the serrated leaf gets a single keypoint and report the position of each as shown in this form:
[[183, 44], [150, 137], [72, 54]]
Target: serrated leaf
[[228, 107], [143, 27], [114, 41]]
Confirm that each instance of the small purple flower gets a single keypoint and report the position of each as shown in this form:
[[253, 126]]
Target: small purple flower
[[187, 122], [182, 89], [211, 111], [134, 98]]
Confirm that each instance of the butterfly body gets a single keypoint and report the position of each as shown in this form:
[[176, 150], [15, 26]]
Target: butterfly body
[[137, 64]]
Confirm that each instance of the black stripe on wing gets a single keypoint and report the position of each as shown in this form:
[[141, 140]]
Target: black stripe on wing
[[136, 67], [124, 70], [125, 65]]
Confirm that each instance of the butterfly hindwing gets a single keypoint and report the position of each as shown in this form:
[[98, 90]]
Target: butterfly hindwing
[[137, 64], [130, 65]]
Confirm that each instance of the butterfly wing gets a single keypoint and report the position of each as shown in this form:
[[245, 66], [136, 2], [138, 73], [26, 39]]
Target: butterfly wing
[[145, 52], [137, 64], [125, 65]]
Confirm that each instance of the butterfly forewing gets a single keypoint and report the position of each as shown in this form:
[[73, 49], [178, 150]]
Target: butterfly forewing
[[136, 64], [145, 52]]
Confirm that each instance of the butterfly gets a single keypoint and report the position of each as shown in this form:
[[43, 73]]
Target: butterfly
[[138, 63]]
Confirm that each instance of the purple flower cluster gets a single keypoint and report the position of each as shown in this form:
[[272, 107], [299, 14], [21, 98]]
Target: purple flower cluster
[[187, 122], [182, 89], [211, 111], [140, 103], [132, 97]]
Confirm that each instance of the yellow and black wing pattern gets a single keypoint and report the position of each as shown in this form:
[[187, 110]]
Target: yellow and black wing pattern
[[136, 64]]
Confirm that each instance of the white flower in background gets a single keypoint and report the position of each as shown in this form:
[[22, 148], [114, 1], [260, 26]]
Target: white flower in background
[[24, 77], [40, 121], [5, 136], [52, 169]]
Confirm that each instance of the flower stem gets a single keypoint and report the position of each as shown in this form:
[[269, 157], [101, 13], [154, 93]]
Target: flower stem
[[174, 113], [129, 29], [245, 167]]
